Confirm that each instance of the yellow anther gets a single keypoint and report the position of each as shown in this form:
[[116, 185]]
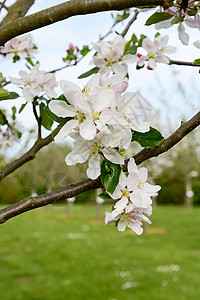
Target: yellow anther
[[79, 116], [86, 91], [151, 55], [95, 115]]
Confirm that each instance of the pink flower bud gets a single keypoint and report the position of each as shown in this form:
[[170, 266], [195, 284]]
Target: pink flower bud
[[139, 55], [149, 68], [71, 46]]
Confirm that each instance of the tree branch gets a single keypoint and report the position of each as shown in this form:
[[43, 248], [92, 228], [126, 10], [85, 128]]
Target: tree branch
[[39, 144], [17, 10], [71, 190], [124, 32], [183, 63], [64, 11]]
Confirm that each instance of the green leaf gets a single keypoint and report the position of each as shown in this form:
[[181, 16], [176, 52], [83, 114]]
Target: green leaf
[[127, 47], [13, 95], [148, 139], [110, 175], [14, 110], [22, 107], [142, 37], [196, 61], [158, 17], [4, 94], [157, 34], [133, 50], [55, 117], [88, 73], [85, 50], [104, 196], [46, 120], [177, 20], [134, 38], [192, 12]]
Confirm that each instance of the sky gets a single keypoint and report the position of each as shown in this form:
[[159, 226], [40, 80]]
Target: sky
[[172, 85]]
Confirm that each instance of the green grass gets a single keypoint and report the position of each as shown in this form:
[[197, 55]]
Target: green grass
[[47, 255]]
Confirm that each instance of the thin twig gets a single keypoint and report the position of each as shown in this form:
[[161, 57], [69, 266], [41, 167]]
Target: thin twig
[[124, 32], [71, 190], [29, 155], [183, 63], [39, 121]]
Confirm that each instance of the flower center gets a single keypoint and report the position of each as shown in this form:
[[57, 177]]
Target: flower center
[[95, 115], [141, 183], [125, 193], [109, 62], [94, 149], [151, 55], [15, 50], [86, 91], [162, 49], [79, 116]]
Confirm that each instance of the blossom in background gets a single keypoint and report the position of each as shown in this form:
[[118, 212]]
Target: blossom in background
[[156, 51], [110, 56], [20, 46], [91, 150], [177, 11], [36, 82], [133, 194]]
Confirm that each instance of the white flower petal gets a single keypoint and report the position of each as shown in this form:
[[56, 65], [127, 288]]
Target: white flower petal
[[121, 204], [113, 156], [66, 129], [122, 225], [87, 130], [61, 108], [135, 227], [94, 169]]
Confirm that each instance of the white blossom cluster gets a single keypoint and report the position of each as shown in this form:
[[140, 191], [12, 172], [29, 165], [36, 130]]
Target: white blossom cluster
[[133, 193], [102, 120], [20, 46], [36, 82], [110, 55]]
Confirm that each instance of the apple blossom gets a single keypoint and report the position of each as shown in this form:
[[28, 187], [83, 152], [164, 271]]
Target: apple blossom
[[36, 82], [87, 106], [110, 56], [155, 51], [93, 151], [19, 46], [133, 194]]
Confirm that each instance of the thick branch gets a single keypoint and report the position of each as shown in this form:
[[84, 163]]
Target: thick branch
[[11, 167], [17, 10], [64, 11], [71, 190]]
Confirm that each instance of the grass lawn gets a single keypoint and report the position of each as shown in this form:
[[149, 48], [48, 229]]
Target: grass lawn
[[47, 255]]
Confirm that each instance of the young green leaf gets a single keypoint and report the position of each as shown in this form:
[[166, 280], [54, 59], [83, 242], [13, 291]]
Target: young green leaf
[[158, 17], [4, 94], [88, 73], [14, 110], [148, 139], [22, 107], [104, 196], [196, 61], [110, 175], [46, 120]]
